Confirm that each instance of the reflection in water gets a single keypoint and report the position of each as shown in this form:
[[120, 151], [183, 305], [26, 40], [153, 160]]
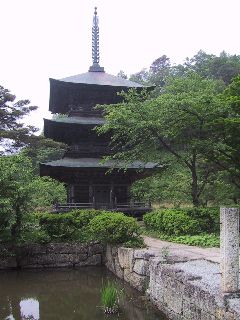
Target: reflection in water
[[65, 294], [29, 309]]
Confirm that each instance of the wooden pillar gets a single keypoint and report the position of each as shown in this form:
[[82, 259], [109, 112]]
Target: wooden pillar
[[111, 195], [70, 193], [229, 249], [91, 192]]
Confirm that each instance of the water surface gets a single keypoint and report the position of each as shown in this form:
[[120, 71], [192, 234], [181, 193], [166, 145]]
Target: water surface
[[66, 294]]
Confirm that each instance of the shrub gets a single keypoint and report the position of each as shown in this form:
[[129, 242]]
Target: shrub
[[171, 222], [81, 218], [208, 218], [184, 221], [113, 227], [57, 226]]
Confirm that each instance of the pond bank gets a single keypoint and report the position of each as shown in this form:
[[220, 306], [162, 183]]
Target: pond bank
[[181, 283], [180, 287], [52, 255]]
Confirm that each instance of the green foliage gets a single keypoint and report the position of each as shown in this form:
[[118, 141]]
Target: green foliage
[[172, 129], [114, 228], [91, 225], [171, 185], [57, 226], [21, 192], [71, 226], [172, 222], [137, 242], [47, 192], [81, 218], [208, 218], [183, 221], [200, 240], [14, 134]]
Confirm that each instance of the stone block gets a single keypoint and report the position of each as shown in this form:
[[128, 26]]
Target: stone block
[[207, 316], [125, 258], [173, 300], [32, 249], [190, 311], [95, 248], [76, 258], [51, 260], [118, 270], [143, 254], [67, 248], [141, 266], [94, 260], [8, 263], [135, 280], [109, 259]]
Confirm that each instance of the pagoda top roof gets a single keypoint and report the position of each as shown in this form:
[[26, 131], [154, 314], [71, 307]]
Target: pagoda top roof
[[101, 78], [98, 163]]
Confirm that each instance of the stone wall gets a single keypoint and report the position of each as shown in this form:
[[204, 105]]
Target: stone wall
[[182, 290], [51, 255]]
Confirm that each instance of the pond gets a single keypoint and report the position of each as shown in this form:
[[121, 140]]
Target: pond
[[66, 294]]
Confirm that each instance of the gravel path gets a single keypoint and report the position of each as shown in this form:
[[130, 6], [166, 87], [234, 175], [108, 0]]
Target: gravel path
[[182, 252]]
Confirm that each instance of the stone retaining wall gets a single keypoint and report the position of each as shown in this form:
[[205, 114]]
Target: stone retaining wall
[[51, 255], [168, 284]]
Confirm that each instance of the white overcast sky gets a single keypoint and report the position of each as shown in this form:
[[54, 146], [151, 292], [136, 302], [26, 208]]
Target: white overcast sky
[[41, 39]]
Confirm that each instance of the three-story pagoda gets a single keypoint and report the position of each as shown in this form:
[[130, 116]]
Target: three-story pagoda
[[87, 178]]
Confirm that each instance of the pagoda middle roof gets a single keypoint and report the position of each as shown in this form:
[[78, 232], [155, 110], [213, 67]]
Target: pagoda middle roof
[[79, 120], [102, 79], [98, 163]]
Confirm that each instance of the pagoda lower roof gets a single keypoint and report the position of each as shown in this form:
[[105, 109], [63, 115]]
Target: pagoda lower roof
[[78, 120], [98, 163], [101, 78]]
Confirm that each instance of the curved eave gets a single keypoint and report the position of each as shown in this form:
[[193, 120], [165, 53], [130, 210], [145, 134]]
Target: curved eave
[[99, 163], [60, 91], [64, 131]]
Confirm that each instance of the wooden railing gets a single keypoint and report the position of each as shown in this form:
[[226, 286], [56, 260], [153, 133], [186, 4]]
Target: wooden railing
[[71, 205], [94, 205]]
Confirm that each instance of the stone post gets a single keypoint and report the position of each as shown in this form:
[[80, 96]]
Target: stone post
[[229, 249]]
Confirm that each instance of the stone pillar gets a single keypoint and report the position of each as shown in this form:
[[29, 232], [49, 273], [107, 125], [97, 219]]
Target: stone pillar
[[229, 249]]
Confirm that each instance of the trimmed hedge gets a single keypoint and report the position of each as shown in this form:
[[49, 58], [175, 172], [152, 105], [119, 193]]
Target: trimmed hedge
[[114, 228], [91, 225], [190, 221]]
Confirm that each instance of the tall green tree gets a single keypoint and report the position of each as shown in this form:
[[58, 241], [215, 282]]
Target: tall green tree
[[176, 125], [14, 134], [21, 192]]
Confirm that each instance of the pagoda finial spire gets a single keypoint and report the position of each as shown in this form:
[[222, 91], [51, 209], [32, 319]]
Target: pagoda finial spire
[[95, 45]]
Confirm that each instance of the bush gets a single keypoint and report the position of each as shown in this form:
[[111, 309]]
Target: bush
[[189, 221], [81, 218], [200, 240], [171, 222], [57, 226], [71, 226], [114, 228], [91, 225], [208, 218]]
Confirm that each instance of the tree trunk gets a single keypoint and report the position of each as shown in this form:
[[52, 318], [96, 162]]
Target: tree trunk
[[16, 228], [194, 192]]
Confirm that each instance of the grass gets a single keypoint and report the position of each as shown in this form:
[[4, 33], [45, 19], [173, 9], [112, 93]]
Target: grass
[[109, 298], [201, 240]]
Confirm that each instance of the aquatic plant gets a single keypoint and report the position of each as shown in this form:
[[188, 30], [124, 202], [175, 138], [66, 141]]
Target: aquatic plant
[[110, 298]]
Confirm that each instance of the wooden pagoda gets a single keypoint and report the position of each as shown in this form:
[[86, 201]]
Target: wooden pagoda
[[81, 169]]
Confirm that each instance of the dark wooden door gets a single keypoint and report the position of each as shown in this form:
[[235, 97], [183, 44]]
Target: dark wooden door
[[102, 196]]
